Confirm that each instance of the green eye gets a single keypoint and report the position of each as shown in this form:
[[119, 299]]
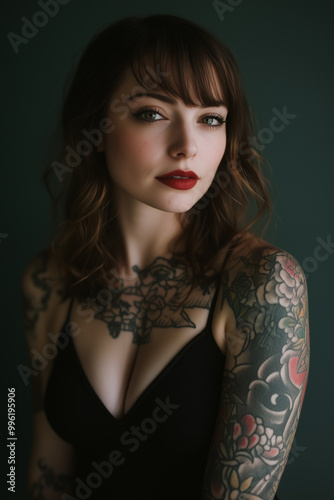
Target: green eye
[[148, 115], [214, 118]]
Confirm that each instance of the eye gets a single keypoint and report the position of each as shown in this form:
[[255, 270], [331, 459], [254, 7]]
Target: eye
[[148, 115], [213, 121]]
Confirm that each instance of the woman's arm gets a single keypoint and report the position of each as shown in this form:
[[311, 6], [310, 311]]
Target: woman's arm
[[265, 376], [51, 467]]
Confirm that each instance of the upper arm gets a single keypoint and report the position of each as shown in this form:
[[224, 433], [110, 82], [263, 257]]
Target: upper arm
[[43, 312], [265, 376]]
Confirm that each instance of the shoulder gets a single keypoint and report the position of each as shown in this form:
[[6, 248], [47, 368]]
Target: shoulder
[[42, 294], [264, 291], [256, 257], [40, 273]]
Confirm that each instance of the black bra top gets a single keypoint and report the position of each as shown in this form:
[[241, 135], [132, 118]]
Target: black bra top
[[158, 450]]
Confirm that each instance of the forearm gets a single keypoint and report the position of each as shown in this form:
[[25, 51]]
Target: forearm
[[52, 465], [234, 474]]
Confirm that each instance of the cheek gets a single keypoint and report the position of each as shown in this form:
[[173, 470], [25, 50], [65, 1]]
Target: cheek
[[216, 152], [220, 147], [128, 148]]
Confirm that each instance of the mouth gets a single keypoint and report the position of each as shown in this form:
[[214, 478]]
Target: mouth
[[179, 179], [179, 174]]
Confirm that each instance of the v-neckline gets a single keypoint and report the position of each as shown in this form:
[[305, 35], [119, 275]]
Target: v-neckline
[[162, 372], [151, 385]]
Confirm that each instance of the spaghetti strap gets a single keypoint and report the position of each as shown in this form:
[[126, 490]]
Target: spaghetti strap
[[66, 330], [213, 305], [215, 297]]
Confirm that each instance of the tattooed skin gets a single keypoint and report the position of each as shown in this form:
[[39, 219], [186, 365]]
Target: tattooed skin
[[154, 301], [49, 482], [31, 307], [264, 382]]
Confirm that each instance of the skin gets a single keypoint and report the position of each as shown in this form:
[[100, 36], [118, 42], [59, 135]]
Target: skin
[[152, 303], [48, 481], [33, 306]]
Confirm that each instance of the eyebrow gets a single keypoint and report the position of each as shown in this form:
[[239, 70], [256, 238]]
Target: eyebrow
[[169, 100]]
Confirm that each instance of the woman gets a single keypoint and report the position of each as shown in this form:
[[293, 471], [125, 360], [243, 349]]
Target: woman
[[182, 337]]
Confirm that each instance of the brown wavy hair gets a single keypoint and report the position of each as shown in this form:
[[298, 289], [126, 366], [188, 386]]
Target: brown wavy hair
[[88, 245]]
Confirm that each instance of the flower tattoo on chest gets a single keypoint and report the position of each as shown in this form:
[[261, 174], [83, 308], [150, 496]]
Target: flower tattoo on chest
[[156, 300]]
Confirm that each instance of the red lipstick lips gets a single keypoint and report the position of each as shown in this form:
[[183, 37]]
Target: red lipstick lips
[[179, 179]]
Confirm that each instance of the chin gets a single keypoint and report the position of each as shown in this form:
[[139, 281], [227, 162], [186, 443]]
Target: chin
[[179, 205]]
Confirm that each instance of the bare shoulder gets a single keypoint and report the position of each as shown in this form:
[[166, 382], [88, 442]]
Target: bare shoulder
[[42, 295], [252, 254], [41, 274], [265, 294]]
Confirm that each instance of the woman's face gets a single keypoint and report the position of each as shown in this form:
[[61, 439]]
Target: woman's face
[[153, 135]]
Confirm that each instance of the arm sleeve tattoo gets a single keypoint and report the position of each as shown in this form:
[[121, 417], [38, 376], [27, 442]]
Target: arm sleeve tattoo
[[265, 376], [49, 484], [36, 302]]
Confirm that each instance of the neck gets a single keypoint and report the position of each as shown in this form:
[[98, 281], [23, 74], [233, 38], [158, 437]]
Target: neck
[[146, 232]]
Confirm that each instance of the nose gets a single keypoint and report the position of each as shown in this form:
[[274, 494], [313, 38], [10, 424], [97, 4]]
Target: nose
[[183, 144]]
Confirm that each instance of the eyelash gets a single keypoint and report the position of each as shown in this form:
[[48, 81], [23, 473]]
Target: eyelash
[[152, 110]]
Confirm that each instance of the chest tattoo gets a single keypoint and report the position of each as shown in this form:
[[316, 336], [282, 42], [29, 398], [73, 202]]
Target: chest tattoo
[[154, 301]]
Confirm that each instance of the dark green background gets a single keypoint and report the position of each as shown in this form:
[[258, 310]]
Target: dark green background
[[285, 53]]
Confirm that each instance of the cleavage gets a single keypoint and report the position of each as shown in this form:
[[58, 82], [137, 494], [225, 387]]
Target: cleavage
[[124, 348]]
